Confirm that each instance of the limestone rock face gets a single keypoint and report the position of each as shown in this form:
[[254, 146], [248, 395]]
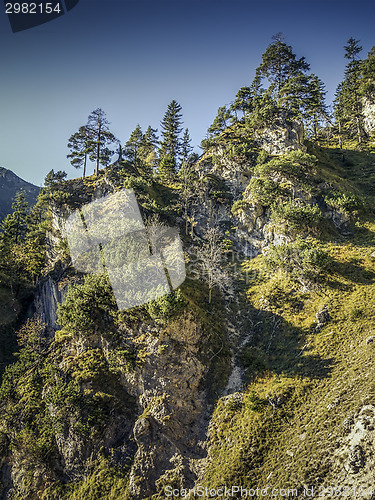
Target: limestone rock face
[[46, 302], [368, 111], [281, 136], [353, 464], [173, 410]]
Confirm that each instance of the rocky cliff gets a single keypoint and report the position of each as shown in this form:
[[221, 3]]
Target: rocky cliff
[[183, 392], [368, 111]]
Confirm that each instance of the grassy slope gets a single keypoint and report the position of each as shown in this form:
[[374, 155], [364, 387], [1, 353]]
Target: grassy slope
[[303, 384]]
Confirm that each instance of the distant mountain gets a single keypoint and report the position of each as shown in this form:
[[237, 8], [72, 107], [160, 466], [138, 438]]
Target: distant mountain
[[10, 184]]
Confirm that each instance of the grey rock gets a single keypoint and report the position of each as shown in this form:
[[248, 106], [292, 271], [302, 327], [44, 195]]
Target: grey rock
[[356, 459], [368, 112], [322, 317], [281, 136]]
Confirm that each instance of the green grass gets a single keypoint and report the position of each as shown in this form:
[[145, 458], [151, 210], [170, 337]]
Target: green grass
[[321, 378]]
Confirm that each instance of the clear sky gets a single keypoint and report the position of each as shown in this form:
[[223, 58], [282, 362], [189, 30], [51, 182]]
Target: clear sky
[[132, 57]]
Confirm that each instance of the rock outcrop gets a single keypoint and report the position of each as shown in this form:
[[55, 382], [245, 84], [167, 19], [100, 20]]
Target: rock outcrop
[[281, 136], [368, 111]]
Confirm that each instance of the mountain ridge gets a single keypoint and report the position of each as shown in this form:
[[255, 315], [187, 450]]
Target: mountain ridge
[[10, 184]]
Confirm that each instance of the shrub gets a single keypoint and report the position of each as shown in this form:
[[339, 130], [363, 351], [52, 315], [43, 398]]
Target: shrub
[[348, 203], [264, 191], [89, 307], [297, 217], [295, 166], [301, 260], [238, 206], [167, 306]]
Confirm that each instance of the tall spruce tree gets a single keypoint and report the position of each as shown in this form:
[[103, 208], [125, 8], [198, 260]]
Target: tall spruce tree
[[315, 107], [348, 106], [170, 146], [133, 145]]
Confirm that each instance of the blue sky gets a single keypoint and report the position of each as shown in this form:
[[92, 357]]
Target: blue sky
[[132, 57]]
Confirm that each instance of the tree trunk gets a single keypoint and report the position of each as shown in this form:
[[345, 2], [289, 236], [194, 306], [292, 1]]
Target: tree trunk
[[98, 148], [358, 130], [340, 141]]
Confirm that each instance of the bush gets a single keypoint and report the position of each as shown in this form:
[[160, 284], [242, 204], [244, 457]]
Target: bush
[[167, 306], [295, 166], [297, 217], [238, 206], [348, 203], [264, 191], [301, 260], [89, 307]]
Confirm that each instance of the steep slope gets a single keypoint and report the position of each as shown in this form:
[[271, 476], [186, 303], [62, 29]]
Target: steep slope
[[249, 389]]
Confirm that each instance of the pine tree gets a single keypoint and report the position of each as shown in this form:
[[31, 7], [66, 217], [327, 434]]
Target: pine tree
[[348, 107], [243, 101], [186, 147], [80, 145], [148, 149], [14, 225], [315, 108], [53, 178], [368, 74], [133, 145], [220, 122], [279, 65], [286, 75], [97, 125], [170, 146]]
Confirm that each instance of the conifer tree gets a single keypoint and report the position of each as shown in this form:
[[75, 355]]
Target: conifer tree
[[133, 145], [14, 225], [279, 65], [220, 122], [80, 145], [150, 140], [186, 147], [170, 146], [97, 125], [53, 178], [348, 107], [286, 75], [368, 74], [315, 108], [243, 101], [170, 131], [148, 149]]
